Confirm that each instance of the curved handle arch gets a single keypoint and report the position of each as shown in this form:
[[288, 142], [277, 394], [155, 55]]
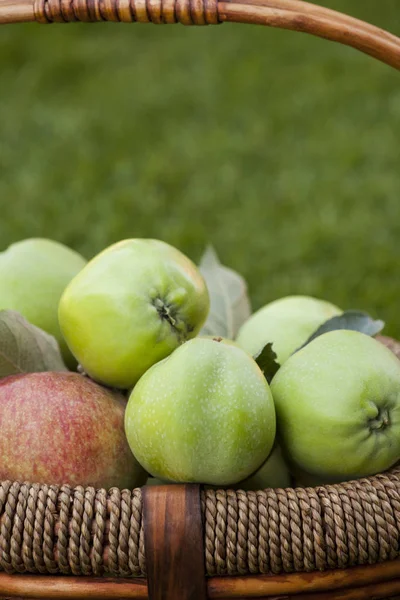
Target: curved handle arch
[[295, 15]]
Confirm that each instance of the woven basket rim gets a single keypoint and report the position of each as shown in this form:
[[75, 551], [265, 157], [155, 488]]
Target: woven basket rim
[[83, 531]]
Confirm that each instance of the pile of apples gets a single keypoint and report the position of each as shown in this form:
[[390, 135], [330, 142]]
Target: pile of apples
[[147, 393]]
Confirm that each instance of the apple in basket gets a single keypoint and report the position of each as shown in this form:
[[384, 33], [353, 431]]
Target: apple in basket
[[130, 307], [338, 408], [204, 414], [61, 427], [287, 323], [274, 473], [33, 275]]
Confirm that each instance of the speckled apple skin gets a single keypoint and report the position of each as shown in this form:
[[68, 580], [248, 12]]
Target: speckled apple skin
[[204, 414], [274, 473], [331, 399], [63, 428]]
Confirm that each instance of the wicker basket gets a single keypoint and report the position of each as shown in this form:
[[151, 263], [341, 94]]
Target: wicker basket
[[181, 542]]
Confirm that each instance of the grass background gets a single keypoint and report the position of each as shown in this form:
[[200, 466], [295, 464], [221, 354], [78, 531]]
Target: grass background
[[280, 149]]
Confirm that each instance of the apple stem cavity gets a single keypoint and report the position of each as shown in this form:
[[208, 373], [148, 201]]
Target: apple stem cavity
[[168, 312], [380, 422], [165, 312]]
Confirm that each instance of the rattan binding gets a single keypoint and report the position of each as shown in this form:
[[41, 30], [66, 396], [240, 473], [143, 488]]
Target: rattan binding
[[287, 14]]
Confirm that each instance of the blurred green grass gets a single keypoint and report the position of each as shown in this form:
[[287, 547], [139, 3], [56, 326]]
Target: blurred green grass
[[280, 149]]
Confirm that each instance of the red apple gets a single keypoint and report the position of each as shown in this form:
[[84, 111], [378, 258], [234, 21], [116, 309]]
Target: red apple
[[64, 428]]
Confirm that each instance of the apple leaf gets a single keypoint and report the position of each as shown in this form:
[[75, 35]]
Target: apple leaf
[[229, 301], [355, 320], [25, 348], [266, 360]]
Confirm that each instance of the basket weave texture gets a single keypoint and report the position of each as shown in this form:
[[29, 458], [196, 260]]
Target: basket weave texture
[[83, 531]]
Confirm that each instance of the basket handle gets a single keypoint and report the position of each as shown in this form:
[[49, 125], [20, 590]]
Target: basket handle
[[295, 15]]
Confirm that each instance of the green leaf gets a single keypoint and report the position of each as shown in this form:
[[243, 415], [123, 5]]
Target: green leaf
[[229, 301], [266, 360], [355, 320], [25, 348]]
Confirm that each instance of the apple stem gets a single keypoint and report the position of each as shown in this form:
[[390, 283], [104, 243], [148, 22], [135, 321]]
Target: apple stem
[[381, 421], [165, 312]]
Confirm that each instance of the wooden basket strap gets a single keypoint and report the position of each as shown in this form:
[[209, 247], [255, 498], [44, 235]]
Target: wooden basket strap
[[174, 543], [295, 15]]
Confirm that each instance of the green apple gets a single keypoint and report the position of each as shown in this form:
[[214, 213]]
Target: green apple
[[33, 275], [130, 307], [205, 414], [338, 407], [155, 481], [286, 323], [274, 473]]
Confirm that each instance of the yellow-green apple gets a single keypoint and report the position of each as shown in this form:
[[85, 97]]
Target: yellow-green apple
[[64, 428], [286, 323], [338, 407], [204, 414], [130, 307], [33, 275]]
